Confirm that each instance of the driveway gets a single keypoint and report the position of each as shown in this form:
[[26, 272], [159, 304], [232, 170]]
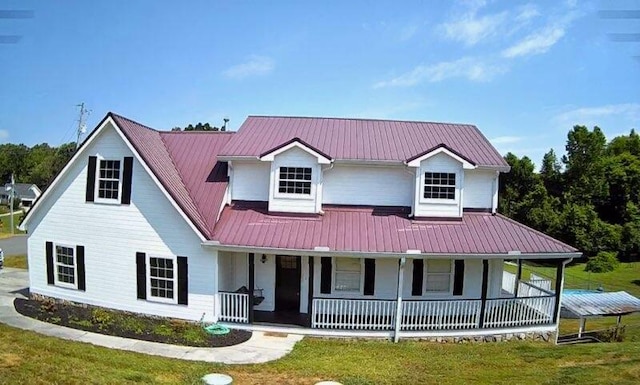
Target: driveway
[[16, 245]]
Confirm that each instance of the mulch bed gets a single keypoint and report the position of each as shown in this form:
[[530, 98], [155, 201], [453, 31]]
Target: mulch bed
[[124, 324]]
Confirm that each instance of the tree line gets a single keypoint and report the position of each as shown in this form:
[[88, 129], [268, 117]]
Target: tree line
[[38, 164], [588, 198]]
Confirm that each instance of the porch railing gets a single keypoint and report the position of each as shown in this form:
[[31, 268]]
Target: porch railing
[[234, 307], [529, 289], [518, 311], [439, 315], [354, 314], [358, 314]]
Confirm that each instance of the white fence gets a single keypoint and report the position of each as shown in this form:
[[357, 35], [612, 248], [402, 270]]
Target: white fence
[[528, 289], [508, 282], [518, 311], [541, 282], [438, 315], [234, 307], [355, 314]]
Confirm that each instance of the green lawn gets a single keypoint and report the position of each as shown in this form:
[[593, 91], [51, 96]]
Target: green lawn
[[5, 224], [17, 261], [29, 358]]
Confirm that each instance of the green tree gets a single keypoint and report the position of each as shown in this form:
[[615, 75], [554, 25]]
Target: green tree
[[584, 171], [551, 173]]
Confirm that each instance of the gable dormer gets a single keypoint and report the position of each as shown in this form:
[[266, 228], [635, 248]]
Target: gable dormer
[[295, 182], [439, 182]]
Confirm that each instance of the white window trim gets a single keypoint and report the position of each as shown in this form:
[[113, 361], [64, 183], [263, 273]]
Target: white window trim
[[96, 190], [452, 202], [334, 265], [151, 298], [56, 280], [276, 187], [426, 278]]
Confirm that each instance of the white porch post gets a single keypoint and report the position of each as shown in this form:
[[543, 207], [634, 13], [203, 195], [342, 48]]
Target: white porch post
[[396, 335]]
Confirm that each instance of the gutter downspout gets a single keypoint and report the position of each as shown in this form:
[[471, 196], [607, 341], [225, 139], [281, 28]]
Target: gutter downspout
[[411, 171], [320, 194], [396, 334]]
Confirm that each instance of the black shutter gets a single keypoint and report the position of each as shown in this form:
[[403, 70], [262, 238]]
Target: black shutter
[[91, 178], [369, 276], [141, 268], [80, 268], [458, 277], [418, 276], [126, 180], [49, 254], [183, 281], [325, 275]]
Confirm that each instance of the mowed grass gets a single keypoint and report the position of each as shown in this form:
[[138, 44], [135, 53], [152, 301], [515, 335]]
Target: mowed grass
[[5, 225], [29, 358], [17, 261]]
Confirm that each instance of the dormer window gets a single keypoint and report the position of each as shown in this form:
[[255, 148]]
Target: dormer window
[[439, 185], [109, 179], [295, 180]]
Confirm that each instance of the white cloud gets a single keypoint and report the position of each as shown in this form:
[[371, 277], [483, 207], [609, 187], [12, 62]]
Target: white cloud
[[4, 134], [254, 66], [470, 29], [613, 117], [473, 69], [506, 140], [535, 43]]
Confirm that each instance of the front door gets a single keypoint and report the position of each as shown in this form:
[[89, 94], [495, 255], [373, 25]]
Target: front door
[[287, 283]]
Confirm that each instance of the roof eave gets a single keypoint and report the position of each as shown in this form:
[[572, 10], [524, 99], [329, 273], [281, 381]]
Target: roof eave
[[410, 253]]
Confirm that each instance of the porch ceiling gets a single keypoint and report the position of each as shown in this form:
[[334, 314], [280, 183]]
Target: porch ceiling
[[385, 230]]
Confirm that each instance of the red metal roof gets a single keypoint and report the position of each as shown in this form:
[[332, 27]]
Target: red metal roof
[[360, 139], [186, 165], [379, 230]]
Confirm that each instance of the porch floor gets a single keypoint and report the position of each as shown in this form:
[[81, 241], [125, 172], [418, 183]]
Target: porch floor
[[281, 317]]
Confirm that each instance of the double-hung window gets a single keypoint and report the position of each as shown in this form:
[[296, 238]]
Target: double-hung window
[[439, 185], [439, 276], [65, 266], [109, 180], [348, 275], [162, 278], [294, 180]]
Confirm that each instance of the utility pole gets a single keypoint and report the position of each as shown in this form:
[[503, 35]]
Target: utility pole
[[11, 198], [82, 126]]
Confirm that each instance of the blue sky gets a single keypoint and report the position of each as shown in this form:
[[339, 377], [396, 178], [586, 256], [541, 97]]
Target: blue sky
[[523, 72]]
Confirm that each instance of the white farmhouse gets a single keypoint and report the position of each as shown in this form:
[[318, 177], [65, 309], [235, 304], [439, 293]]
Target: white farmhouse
[[342, 226]]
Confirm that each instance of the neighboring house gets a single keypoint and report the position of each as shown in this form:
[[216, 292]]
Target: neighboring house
[[345, 226], [24, 192]]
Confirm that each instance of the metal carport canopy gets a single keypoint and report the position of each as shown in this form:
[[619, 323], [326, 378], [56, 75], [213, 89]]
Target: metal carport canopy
[[585, 305]]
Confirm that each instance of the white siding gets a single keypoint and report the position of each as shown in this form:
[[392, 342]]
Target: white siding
[[434, 207], [294, 157], [358, 185], [265, 279], [471, 286], [250, 181], [112, 234], [478, 189]]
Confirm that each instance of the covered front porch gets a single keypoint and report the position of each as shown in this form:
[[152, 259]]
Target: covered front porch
[[407, 296]]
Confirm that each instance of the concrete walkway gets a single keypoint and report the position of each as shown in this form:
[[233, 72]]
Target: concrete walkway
[[258, 349]]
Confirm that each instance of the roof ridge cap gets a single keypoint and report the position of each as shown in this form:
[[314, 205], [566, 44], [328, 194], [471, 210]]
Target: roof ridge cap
[[359, 119]]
